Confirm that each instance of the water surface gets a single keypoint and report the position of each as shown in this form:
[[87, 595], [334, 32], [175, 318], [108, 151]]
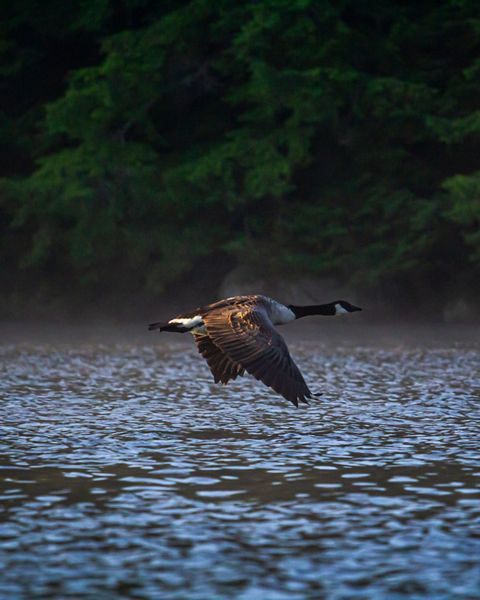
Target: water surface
[[126, 473]]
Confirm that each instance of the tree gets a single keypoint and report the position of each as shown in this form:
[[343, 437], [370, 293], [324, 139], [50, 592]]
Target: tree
[[321, 137]]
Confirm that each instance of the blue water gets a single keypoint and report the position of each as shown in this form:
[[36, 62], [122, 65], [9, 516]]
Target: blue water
[[126, 473]]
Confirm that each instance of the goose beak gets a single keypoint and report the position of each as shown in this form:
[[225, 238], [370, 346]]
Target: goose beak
[[354, 308]]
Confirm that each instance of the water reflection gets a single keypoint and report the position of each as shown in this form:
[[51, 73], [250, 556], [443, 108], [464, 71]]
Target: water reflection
[[121, 477]]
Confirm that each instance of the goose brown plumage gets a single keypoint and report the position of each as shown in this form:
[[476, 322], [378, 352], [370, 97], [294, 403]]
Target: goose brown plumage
[[238, 334]]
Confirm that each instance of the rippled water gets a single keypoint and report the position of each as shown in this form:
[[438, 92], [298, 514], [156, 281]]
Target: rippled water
[[126, 473]]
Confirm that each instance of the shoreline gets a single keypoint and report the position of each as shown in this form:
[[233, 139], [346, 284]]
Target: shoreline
[[333, 331]]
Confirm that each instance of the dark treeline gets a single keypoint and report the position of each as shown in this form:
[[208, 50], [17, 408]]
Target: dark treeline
[[147, 143]]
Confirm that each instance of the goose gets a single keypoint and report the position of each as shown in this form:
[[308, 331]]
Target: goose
[[237, 334]]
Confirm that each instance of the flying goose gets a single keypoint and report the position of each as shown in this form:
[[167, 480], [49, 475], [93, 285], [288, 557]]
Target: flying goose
[[238, 334]]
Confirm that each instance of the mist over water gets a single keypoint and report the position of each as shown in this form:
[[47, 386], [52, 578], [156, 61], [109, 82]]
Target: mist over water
[[126, 473]]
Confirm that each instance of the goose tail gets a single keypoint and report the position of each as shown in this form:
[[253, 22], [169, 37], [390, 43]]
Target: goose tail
[[160, 325], [166, 326]]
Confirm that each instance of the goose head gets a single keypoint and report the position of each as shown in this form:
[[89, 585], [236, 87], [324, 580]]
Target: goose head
[[342, 307]]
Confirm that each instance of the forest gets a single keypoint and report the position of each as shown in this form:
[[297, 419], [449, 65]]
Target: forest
[[146, 144]]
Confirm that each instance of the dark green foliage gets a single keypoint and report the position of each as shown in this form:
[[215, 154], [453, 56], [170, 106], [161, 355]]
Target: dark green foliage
[[325, 137]]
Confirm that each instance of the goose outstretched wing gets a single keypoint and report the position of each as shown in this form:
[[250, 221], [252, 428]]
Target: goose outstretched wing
[[247, 336], [221, 366]]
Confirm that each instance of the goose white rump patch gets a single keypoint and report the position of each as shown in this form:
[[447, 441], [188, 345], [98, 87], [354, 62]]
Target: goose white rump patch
[[188, 322]]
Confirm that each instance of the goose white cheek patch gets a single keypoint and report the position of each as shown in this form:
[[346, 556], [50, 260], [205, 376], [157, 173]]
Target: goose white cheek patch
[[339, 310]]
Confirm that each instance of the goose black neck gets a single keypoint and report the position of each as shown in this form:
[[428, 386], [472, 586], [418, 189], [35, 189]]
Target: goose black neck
[[315, 309]]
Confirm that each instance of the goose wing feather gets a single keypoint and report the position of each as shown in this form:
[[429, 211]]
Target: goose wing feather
[[247, 336], [221, 366]]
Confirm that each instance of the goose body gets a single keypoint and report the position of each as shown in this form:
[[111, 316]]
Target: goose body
[[238, 334]]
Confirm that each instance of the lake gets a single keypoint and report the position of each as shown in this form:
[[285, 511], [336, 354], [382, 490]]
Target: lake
[[126, 473]]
